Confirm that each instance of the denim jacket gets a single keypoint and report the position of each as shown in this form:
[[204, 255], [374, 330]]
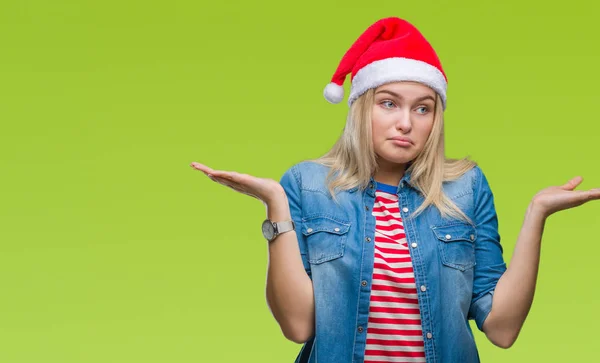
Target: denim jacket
[[456, 264]]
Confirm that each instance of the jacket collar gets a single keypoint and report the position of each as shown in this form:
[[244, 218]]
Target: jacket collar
[[372, 185]]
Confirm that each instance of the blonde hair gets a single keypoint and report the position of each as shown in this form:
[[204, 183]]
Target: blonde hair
[[352, 159]]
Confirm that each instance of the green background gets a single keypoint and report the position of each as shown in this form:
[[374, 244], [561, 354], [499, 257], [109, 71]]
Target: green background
[[114, 250]]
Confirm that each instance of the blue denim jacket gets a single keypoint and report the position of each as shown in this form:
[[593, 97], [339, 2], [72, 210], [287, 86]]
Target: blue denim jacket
[[456, 264]]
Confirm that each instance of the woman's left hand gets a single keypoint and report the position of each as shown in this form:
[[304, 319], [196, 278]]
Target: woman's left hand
[[557, 198]]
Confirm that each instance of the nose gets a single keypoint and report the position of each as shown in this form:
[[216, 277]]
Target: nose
[[403, 121]]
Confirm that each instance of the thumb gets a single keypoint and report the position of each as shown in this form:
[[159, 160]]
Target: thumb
[[572, 184]]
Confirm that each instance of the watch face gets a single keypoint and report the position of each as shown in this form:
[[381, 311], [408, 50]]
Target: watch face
[[268, 230]]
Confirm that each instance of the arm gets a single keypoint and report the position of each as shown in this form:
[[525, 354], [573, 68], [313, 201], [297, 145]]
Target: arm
[[514, 292], [289, 289], [502, 297]]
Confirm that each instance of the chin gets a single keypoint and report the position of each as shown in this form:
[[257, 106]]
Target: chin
[[398, 159], [397, 155]]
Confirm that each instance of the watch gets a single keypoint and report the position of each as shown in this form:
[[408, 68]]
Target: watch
[[271, 229]]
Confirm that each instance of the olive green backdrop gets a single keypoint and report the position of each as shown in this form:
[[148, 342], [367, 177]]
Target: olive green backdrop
[[112, 249]]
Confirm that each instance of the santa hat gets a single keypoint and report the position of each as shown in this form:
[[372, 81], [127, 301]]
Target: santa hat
[[390, 50]]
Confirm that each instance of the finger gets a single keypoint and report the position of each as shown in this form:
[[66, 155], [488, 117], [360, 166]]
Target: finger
[[221, 173], [234, 180], [211, 172], [237, 188], [238, 177], [573, 183], [202, 168], [594, 193], [224, 178], [229, 175], [586, 195]]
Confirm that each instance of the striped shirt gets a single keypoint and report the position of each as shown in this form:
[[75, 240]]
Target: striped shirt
[[394, 332]]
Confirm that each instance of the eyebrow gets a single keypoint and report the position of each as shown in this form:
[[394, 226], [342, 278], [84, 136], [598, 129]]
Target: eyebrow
[[428, 97]]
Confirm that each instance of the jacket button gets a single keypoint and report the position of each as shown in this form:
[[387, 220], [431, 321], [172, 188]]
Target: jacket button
[[336, 229], [423, 288], [360, 329], [405, 210], [413, 245], [363, 283], [472, 237], [368, 239], [429, 335], [366, 207], [448, 236], [309, 230]]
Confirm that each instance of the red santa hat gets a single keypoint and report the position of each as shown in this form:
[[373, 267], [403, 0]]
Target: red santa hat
[[390, 50]]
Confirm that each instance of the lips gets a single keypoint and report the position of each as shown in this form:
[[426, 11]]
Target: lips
[[402, 140]]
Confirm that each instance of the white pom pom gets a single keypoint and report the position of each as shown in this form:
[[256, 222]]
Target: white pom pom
[[334, 93]]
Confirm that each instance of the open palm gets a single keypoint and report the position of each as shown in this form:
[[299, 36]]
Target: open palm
[[557, 198], [263, 189]]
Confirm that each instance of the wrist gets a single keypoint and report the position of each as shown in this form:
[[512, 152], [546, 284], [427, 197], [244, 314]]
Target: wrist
[[536, 211], [276, 196], [278, 209]]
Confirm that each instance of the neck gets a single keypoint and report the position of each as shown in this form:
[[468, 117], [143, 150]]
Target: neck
[[390, 174]]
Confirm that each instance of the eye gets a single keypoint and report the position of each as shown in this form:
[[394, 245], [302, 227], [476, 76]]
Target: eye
[[387, 104], [423, 110]]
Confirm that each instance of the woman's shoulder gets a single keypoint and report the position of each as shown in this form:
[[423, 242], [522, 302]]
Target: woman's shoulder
[[462, 178], [311, 167], [308, 174], [473, 182], [474, 178]]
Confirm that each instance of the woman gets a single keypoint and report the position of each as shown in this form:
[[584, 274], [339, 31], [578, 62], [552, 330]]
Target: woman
[[383, 249]]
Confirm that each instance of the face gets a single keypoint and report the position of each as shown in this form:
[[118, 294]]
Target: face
[[402, 120]]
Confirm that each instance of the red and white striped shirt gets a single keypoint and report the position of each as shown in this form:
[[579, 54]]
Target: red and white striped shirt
[[394, 332]]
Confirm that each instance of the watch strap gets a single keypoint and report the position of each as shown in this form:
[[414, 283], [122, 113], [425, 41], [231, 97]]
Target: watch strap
[[285, 226]]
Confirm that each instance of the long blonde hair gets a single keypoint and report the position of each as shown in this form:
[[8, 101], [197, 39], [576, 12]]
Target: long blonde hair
[[352, 160]]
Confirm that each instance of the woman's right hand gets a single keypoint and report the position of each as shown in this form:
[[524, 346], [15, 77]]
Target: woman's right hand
[[263, 189]]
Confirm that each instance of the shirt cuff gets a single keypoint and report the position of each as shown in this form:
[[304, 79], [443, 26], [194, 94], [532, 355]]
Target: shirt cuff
[[481, 308]]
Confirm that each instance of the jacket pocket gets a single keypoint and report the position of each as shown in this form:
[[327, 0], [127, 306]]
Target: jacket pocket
[[325, 237], [456, 243]]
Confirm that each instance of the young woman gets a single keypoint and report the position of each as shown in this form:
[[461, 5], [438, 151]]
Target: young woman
[[383, 249]]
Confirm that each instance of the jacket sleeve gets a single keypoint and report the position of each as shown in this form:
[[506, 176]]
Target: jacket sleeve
[[489, 262], [290, 181]]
